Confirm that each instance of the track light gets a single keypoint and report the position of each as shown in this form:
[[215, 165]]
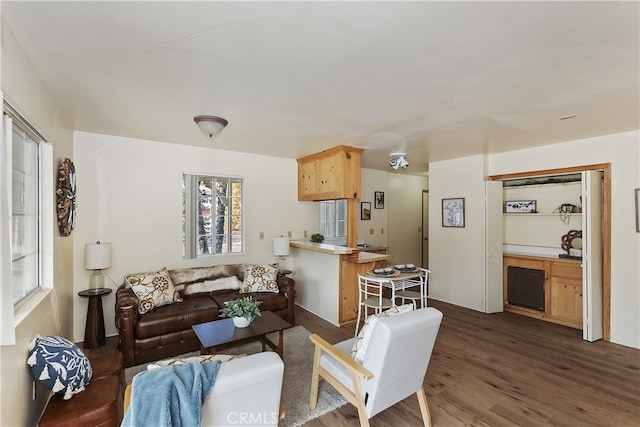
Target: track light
[[398, 160]]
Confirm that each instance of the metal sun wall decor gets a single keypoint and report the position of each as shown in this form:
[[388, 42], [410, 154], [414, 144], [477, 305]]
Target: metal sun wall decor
[[66, 197]]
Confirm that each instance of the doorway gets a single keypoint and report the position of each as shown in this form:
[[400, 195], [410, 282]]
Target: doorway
[[425, 228], [605, 168]]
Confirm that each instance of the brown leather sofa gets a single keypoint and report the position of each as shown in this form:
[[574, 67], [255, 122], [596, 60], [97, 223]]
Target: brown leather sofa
[[166, 331]]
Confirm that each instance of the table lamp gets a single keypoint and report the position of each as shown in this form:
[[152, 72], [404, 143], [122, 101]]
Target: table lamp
[[281, 250], [97, 256]]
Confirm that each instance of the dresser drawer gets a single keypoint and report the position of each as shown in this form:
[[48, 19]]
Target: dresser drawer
[[570, 270]]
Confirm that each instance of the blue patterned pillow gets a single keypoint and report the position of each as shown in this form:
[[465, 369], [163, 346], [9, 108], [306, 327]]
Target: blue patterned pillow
[[59, 365]]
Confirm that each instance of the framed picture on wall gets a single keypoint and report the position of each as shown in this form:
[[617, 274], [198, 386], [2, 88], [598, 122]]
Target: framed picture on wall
[[379, 199], [365, 210], [453, 212]]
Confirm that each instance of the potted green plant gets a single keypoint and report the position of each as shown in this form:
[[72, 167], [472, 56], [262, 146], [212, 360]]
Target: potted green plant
[[317, 238], [241, 310], [565, 210]]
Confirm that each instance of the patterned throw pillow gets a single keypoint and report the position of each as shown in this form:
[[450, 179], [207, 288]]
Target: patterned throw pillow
[[359, 349], [153, 289], [59, 365], [199, 359], [260, 278]]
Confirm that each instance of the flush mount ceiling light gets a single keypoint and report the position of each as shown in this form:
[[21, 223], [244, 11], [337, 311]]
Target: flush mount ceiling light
[[398, 160], [210, 125]]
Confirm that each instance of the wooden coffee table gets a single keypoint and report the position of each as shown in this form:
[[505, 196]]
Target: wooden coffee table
[[221, 334]]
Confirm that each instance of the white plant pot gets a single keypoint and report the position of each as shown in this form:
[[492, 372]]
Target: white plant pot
[[241, 322]]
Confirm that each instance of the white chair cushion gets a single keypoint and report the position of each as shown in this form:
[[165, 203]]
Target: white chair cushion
[[361, 343], [335, 368]]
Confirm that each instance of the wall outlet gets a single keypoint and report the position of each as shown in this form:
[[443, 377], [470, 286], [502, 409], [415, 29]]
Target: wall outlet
[[289, 233], [261, 235], [371, 231], [382, 231], [305, 233]]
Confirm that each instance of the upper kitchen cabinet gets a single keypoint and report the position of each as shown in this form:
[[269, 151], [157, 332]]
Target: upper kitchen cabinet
[[330, 174]]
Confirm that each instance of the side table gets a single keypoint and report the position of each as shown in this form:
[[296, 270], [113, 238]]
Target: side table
[[94, 335]]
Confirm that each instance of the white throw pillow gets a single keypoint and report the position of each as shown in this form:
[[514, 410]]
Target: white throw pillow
[[359, 349], [260, 278], [153, 289]]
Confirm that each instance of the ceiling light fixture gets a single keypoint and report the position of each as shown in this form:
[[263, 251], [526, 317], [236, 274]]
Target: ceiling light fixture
[[210, 125], [398, 160]]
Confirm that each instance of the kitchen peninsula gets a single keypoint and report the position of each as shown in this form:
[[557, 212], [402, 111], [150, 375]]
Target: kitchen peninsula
[[326, 277]]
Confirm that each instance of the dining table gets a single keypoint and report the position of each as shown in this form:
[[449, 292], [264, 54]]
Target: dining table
[[399, 280]]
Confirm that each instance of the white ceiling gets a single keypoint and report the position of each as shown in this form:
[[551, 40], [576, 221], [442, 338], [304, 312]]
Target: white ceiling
[[438, 80]]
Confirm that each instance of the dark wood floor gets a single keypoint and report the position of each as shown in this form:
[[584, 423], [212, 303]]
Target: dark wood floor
[[503, 370], [506, 369]]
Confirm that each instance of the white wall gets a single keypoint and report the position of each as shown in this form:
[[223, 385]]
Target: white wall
[[317, 277], [463, 177], [622, 151], [456, 254], [130, 194], [405, 217], [372, 181], [23, 86]]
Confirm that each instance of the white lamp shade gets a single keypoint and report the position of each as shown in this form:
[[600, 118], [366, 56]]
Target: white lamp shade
[[97, 256], [281, 246]]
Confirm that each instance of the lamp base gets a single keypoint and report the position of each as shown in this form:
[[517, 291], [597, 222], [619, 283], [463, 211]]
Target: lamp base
[[96, 281], [282, 264]]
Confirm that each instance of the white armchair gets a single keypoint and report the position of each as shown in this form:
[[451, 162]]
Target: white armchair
[[394, 366], [246, 392]]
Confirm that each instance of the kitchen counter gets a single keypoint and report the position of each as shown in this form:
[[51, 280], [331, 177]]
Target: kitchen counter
[[326, 277], [363, 255], [321, 247]]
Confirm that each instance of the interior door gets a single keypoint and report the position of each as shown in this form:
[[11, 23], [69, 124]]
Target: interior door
[[493, 240], [425, 228], [592, 255]]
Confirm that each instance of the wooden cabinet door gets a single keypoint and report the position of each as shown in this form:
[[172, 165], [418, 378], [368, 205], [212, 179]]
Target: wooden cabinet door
[[331, 176], [308, 180], [566, 300]]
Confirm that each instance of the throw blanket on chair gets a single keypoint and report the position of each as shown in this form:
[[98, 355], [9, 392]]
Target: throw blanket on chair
[[171, 395]]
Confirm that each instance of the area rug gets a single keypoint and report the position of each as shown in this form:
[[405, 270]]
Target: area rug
[[298, 364]]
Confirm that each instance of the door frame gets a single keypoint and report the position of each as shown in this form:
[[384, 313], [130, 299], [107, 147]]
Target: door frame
[[424, 217], [606, 228]]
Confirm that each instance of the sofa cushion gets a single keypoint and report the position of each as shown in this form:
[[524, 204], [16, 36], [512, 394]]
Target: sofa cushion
[[59, 365], [193, 280], [270, 301], [153, 289], [176, 317], [260, 278]]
